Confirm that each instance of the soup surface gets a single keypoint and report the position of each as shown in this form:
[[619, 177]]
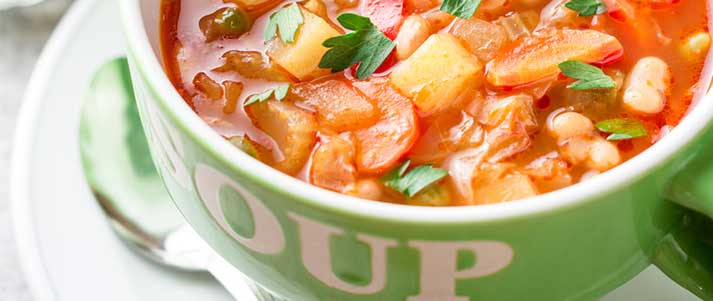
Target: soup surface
[[435, 103]]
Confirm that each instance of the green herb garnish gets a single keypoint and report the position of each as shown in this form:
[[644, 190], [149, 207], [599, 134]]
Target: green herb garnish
[[622, 128], [288, 19], [464, 9], [411, 183], [587, 8], [279, 92], [588, 76], [366, 45]]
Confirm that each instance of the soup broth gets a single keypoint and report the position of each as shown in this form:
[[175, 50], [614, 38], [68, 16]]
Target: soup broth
[[426, 103]]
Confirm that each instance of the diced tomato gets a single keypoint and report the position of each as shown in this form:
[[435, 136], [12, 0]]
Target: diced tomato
[[382, 145], [620, 10], [386, 15], [389, 62], [537, 58]]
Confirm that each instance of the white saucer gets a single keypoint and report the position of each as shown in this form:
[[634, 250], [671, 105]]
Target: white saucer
[[67, 250]]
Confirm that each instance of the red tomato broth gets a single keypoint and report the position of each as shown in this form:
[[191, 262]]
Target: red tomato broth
[[186, 54]]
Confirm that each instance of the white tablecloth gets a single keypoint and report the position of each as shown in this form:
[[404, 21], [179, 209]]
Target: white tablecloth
[[23, 32]]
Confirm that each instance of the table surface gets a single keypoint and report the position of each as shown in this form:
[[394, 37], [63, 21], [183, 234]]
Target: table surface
[[23, 33]]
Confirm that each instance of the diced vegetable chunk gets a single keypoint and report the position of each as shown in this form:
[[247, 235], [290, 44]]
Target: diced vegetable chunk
[[482, 38], [518, 25], [499, 183], [340, 107], [437, 73], [333, 165], [445, 135], [381, 146], [207, 86], [293, 130], [225, 23], [251, 64], [537, 57], [301, 58], [233, 91], [509, 122]]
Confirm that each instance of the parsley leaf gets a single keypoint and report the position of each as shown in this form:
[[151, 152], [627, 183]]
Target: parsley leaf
[[366, 45], [461, 8], [411, 183], [587, 8], [622, 128], [589, 77], [288, 19], [279, 92]]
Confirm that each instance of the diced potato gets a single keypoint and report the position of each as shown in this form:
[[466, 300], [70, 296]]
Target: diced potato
[[499, 183], [482, 38], [293, 130], [382, 145], [528, 61], [333, 165], [340, 107], [301, 58], [437, 73]]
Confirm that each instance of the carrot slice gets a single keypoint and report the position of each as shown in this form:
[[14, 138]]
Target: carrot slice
[[380, 146], [537, 58]]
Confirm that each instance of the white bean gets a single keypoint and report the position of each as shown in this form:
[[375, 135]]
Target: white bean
[[570, 124], [414, 31], [603, 155], [593, 151], [696, 45], [647, 86]]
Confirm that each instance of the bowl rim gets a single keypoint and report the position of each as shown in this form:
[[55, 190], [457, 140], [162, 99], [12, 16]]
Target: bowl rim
[[691, 127]]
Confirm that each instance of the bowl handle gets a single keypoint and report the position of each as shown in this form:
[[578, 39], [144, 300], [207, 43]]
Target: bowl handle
[[686, 254]]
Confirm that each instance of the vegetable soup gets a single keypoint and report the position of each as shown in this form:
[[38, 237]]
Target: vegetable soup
[[431, 103]]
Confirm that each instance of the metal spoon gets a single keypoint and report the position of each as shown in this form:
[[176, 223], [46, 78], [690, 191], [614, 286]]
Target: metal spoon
[[125, 183]]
